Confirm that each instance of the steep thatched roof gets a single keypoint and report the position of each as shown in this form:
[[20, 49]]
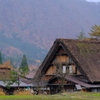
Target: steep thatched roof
[[85, 54], [4, 73]]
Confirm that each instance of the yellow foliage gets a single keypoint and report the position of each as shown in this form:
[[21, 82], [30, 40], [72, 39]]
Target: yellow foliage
[[22, 92], [6, 64], [2, 93]]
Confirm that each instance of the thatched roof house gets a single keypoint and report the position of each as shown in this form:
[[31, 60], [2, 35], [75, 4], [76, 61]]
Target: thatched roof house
[[85, 55]]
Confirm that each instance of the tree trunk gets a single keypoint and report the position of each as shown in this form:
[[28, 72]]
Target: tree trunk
[[38, 89], [18, 83], [62, 85]]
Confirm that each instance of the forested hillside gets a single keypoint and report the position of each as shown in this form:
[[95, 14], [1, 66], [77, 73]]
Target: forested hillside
[[30, 26]]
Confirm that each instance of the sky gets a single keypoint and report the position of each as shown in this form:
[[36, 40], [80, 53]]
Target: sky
[[94, 0]]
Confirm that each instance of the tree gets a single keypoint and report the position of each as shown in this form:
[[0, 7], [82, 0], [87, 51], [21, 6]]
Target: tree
[[81, 35], [7, 65], [0, 58], [13, 63], [61, 72], [24, 62], [95, 32], [38, 80], [15, 76]]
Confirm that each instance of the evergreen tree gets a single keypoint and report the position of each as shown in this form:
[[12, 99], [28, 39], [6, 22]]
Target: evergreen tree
[[0, 58], [24, 62], [95, 32], [81, 35]]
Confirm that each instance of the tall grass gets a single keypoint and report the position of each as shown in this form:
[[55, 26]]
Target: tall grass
[[22, 92]]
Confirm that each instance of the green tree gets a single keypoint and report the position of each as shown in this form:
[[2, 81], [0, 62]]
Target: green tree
[[81, 35], [13, 64], [0, 58], [15, 76], [24, 62], [95, 32]]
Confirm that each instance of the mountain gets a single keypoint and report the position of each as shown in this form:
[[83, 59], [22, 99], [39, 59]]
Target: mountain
[[30, 26]]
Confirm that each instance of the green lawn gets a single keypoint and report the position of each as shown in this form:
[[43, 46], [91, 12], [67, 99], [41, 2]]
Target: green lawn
[[65, 96]]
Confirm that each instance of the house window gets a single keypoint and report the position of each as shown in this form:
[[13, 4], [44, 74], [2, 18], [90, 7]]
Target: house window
[[98, 90], [70, 69], [94, 90], [69, 90], [64, 69]]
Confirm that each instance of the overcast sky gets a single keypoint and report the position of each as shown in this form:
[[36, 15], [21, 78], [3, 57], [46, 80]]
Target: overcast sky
[[94, 0]]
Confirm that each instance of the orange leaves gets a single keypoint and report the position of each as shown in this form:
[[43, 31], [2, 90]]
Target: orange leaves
[[6, 65]]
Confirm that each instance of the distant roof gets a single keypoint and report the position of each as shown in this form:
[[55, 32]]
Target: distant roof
[[41, 83], [85, 54], [22, 84], [31, 74], [5, 68]]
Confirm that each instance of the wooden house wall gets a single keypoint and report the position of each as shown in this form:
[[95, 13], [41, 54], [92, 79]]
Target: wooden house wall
[[58, 81], [61, 50], [72, 69], [51, 70], [62, 59], [78, 72], [65, 82], [59, 57], [68, 82]]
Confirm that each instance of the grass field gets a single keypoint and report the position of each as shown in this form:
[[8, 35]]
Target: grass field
[[65, 96]]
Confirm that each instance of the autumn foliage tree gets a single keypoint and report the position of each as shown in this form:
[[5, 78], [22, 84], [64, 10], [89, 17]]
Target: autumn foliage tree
[[6, 64]]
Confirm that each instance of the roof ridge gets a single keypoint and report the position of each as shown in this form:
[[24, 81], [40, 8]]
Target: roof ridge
[[76, 40]]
